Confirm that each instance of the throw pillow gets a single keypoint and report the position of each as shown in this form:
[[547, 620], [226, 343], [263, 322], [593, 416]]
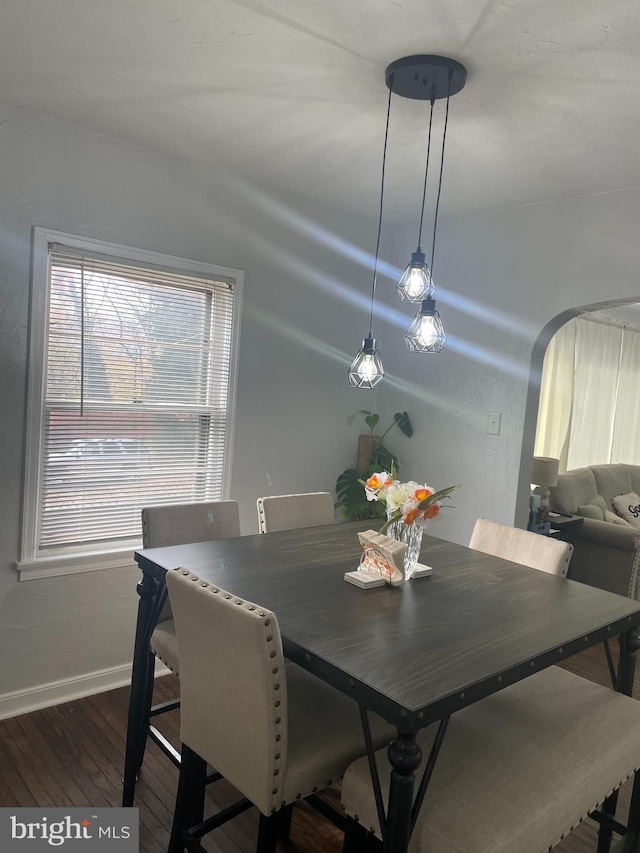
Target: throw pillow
[[615, 519], [595, 509], [628, 506]]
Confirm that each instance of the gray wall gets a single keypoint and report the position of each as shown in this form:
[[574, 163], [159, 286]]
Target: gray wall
[[506, 275], [293, 428]]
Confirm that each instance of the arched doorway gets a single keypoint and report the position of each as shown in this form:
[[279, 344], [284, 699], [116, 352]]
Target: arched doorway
[[620, 313]]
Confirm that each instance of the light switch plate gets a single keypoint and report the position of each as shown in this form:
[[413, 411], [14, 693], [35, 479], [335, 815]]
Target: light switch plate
[[493, 423]]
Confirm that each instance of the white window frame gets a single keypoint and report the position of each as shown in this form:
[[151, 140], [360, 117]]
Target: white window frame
[[31, 565]]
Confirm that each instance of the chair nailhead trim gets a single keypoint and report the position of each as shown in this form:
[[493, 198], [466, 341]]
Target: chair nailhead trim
[[276, 772], [273, 654], [277, 737], [277, 703], [269, 638], [277, 755], [275, 791], [277, 720], [274, 670], [276, 687], [315, 789], [267, 621], [298, 796]]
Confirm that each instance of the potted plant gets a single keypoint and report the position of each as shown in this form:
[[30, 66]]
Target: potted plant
[[373, 456]]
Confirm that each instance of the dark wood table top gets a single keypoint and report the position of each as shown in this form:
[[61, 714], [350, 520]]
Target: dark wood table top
[[413, 653]]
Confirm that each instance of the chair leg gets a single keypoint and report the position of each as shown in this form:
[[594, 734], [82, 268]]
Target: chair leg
[[148, 700], [268, 833], [356, 838], [189, 808], [284, 822], [605, 835]]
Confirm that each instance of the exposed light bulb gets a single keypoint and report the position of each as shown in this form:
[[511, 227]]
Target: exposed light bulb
[[426, 332], [366, 370], [415, 283]]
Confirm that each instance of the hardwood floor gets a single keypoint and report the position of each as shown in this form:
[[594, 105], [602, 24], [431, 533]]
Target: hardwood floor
[[72, 755]]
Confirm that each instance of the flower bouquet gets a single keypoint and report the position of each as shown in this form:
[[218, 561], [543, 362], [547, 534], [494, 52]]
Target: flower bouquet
[[409, 507]]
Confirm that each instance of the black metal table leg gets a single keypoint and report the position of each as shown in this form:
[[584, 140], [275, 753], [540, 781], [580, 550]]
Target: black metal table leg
[[624, 684], [149, 590], [405, 756]]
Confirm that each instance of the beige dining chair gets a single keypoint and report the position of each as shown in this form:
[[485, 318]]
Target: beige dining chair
[[522, 546], [287, 512], [277, 735], [517, 771], [177, 524]]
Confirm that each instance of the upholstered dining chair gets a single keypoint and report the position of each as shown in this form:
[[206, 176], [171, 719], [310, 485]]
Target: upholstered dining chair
[[287, 512], [516, 771], [277, 735], [522, 546], [177, 524]]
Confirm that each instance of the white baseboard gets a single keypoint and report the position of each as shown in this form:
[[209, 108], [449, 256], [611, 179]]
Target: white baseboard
[[56, 692]]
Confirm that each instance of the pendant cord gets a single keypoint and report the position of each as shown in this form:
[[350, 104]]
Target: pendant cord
[[426, 173], [375, 263], [444, 139], [82, 340]]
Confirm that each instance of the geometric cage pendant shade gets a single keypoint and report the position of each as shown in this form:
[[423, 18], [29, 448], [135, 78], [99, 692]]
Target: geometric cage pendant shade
[[366, 369], [426, 333], [416, 283]]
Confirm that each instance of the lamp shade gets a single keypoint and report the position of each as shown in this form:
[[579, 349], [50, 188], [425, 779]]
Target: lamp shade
[[544, 471]]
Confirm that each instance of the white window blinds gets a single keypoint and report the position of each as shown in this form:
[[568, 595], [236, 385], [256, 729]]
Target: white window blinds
[[135, 396]]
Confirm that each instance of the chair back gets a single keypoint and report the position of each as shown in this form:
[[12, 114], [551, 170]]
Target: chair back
[[287, 512], [179, 524], [522, 546], [233, 686]]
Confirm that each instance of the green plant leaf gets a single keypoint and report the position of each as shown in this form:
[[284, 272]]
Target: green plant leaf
[[404, 424], [370, 418]]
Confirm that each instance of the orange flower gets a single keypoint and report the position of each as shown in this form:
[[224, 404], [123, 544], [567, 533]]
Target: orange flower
[[411, 516], [432, 511], [422, 494], [379, 481]]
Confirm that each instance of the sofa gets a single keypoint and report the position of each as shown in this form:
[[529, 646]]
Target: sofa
[[606, 554]]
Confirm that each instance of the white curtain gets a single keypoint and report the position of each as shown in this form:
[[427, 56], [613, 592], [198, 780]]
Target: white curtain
[[626, 444], [590, 396], [594, 393], [556, 396]]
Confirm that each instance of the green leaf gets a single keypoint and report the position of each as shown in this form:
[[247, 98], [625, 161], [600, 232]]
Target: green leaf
[[382, 460], [404, 424], [370, 419]]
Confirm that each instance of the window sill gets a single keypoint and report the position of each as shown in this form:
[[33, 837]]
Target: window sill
[[73, 564]]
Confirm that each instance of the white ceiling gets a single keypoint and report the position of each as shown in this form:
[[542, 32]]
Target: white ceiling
[[291, 93]]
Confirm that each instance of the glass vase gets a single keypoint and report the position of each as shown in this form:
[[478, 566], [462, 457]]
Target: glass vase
[[411, 535]]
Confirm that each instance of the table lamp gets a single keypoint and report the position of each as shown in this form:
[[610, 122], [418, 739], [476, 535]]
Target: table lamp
[[544, 474]]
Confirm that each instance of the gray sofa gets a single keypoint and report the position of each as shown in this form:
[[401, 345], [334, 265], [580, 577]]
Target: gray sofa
[[606, 555]]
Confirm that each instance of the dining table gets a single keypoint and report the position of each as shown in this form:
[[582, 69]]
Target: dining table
[[414, 654]]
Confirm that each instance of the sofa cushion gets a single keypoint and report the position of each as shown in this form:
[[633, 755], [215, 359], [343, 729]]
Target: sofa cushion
[[575, 488], [634, 471], [595, 509], [615, 519], [628, 507], [612, 480]]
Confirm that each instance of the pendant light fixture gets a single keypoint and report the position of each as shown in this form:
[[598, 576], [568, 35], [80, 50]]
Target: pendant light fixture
[[425, 78], [366, 369]]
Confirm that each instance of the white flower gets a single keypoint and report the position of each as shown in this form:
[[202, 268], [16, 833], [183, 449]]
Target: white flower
[[397, 495]]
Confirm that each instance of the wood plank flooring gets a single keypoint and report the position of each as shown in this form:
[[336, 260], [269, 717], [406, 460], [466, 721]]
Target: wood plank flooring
[[72, 755]]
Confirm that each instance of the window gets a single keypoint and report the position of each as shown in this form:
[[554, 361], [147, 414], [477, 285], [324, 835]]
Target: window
[[132, 382]]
